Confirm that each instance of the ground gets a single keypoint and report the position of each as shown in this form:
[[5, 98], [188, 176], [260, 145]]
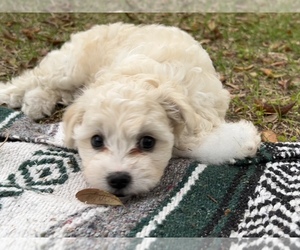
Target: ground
[[257, 56]]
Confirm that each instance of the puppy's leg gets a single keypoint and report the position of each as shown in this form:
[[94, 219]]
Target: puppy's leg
[[225, 144], [37, 91]]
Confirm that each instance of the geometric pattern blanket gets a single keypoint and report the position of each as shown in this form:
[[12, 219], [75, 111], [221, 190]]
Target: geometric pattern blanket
[[258, 197]]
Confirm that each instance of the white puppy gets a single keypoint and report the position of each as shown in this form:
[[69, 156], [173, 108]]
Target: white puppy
[[139, 95]]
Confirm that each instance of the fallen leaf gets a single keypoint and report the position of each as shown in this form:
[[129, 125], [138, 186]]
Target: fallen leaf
[[244, 68], [211, 25], [281, 63], [267, 72], [253, 74], [285, 84], [268, 136], [205, 41], [30, 33], [227, 212], [98, 197], [8, 35], [275, 46], [278, 56], [232, 85], [275, 108], [271, 118]]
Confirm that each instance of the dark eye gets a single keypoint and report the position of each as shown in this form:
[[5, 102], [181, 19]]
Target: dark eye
[[97, 141], [146, 143]]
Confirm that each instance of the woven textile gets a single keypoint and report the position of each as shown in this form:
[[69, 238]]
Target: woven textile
[[39, 179]]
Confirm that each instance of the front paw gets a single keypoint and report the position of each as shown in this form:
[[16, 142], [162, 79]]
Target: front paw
[[249, 139], [38, 103]]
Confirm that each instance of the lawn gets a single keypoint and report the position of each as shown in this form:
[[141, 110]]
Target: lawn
[[257, 56]]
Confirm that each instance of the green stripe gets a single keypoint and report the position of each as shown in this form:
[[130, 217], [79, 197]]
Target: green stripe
[[147, 219], [238, 199], [197, 208], [4, 113]]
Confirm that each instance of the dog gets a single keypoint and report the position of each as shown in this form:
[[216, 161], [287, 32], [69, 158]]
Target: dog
[[136, 96]]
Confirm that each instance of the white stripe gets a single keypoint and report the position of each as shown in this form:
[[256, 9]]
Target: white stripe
[[158, 219], [9, 118], [145, 244]]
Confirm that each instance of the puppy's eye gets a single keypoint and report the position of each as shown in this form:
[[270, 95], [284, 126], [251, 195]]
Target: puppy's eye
[[146, 143], [97, 141]]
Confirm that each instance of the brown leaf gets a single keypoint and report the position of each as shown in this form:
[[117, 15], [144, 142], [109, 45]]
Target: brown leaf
[[227, 212], [211, 25], [98, 197], [232, 85], [271, 118], [30, 33], [275, 108], [205, 41], [281, 63], [268, 136], [285, 84], [269, 73], [8, 35], [244, 68]]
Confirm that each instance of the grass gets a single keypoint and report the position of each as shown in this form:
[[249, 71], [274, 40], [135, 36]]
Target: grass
[[257, 55]]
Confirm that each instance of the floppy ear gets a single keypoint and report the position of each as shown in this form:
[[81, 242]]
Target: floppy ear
[[72, 117], [179, 111]]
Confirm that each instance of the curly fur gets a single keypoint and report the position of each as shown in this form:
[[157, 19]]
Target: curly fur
[[124, 82]]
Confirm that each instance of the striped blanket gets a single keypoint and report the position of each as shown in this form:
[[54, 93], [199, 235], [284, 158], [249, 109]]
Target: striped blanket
[[39, 178]]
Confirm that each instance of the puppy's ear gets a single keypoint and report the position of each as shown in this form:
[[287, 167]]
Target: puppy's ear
[[179, 111], [72, 117]]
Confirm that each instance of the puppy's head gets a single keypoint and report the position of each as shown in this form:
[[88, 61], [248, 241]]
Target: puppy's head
[[124, 136]]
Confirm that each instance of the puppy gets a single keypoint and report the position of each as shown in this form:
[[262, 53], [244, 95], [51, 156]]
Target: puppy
[[138, 95]]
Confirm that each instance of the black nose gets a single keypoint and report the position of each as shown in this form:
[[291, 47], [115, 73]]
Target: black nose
[[118, 180]]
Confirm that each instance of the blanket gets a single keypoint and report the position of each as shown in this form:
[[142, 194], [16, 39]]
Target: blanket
[[39, 177]]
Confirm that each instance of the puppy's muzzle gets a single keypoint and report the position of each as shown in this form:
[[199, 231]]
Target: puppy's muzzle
[[119, 180]]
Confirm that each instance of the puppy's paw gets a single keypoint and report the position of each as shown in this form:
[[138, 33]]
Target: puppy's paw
[[228, 143], [38, 103], [247, 136], [11, 95]]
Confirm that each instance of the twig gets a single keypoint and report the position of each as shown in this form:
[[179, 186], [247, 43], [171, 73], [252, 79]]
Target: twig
[[213, 199], [4, 140]]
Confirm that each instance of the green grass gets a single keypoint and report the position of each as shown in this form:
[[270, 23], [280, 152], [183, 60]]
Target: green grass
[[255, 55]]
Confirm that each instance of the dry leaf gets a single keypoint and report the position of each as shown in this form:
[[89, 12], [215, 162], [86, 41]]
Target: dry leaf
[[211, 25], [275, 108], [205, 41], [268, 136], [232, 85], [8, 35], [98, 197], [278, 56], [269, 73], [30, 33], [271, 118], [244, 68], [253, 74], [227, 212], [285, 84], [281, 63]]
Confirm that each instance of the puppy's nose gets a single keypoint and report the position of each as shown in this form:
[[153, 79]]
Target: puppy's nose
[[118, 180]]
